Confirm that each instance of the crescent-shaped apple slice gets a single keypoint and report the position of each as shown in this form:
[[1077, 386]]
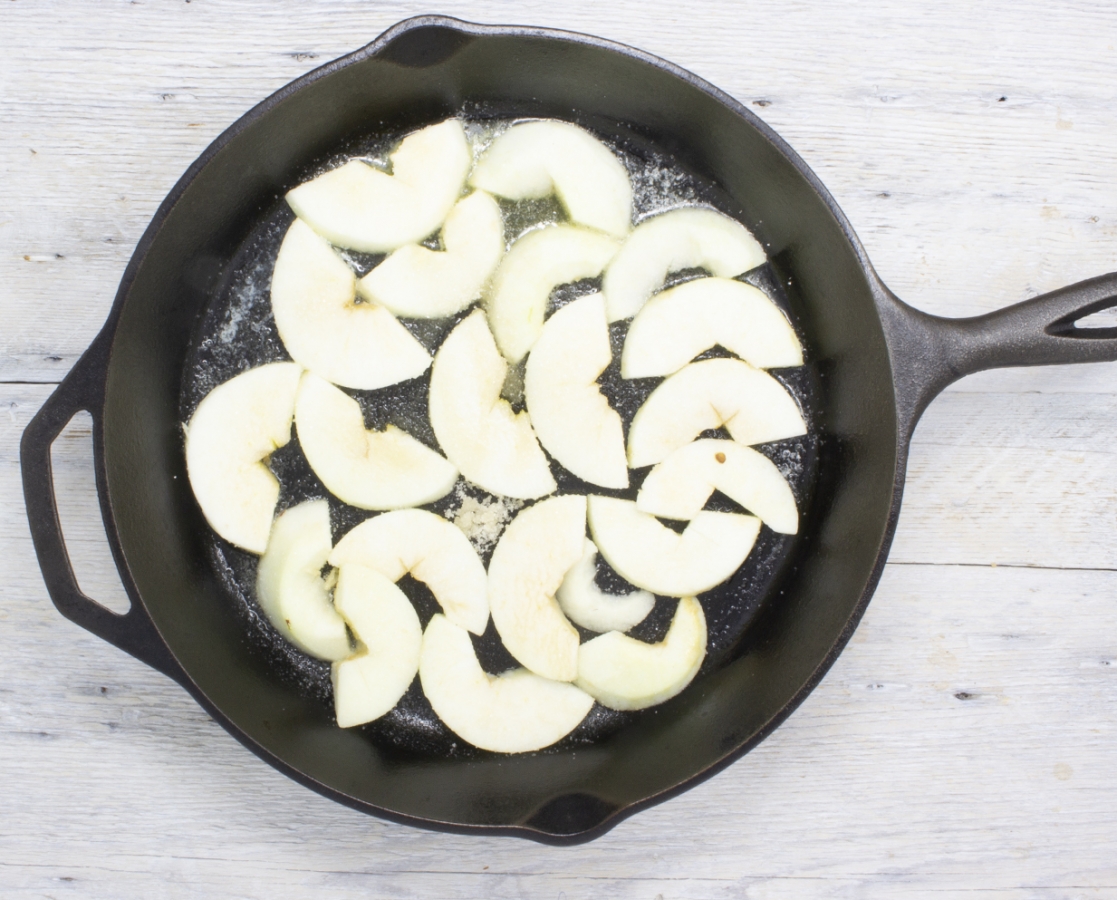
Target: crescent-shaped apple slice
[[383, 620], [587, 605], [528, 566], [362, 208], [432, 550], [515, 712], [228, 440], [356, 345], [535, 159], [570, 415], [650, 555], [424, 284], [676, 325], [289, 583], [493, 447], [621, 672], [679, 486], [537, 263], [709, 394], [679, 239], [386, 469]]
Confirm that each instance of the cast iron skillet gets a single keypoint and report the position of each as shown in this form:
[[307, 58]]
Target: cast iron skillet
[[876, 361]]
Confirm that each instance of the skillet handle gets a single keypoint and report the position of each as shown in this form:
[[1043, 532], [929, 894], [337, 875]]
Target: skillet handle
[[82, 389], [929, 352]]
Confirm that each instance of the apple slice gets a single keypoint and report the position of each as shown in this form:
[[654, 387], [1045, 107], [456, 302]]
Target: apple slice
[[434, 551], [357, 345], [425, 284], [587, 605], [679, 486], [515, 712], [535, 159], [362, 208], [621, 672], [289, 583], [650, 555], [570, 415], [751, 404], [536, 264], [690, 318], [370, 683], [679, 239], [528, 566], [228, 440], [494, 447], [386, 469]]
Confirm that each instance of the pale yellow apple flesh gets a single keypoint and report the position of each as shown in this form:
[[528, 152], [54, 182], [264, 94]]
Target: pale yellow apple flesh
[[676, 325], [515, 712], [535, 159], [585, 604], [709, 394], [313, 297], [621, 672], [433, 550], [570, 415], [362, 208], [228, 440]]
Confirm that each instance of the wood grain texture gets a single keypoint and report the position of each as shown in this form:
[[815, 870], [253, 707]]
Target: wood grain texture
[[963, 743]]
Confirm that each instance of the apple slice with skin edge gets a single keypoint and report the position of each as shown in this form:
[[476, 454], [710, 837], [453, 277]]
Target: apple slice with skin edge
[[228, 440], [680, 239], [290, 587], [535, 265], [362, 208], [536, 159], [370, 683], [621, 672], [585, 604], [527, 567], [679, 487], [420, 283], [494, 448], [356, 345], [515, 712], [711, 393], [676, 325], [377, 470], [432, 550], [570, 415], [648, 554]]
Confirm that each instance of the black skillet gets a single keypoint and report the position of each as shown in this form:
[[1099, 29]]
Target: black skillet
[[873, 365]]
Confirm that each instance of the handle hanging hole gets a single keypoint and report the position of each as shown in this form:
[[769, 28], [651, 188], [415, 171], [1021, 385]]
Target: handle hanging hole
[[1097, 320]]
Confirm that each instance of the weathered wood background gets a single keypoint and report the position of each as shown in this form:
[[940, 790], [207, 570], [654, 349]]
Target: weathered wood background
[[965, 741]]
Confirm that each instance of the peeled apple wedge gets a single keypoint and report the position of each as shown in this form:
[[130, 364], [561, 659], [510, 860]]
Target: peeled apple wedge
[[528, 566], [536, 264], [585, 604], [571, 416], [386, 469], [679, 486], [370, 683], [515, 712], [432, 550], [362, 208], [650, 555], [535, 159], [493, 447], [676, 325], [289, 583], [679, 239], [420, 283], [356, 345], [228, 440], [709, 394], [623, 673]]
